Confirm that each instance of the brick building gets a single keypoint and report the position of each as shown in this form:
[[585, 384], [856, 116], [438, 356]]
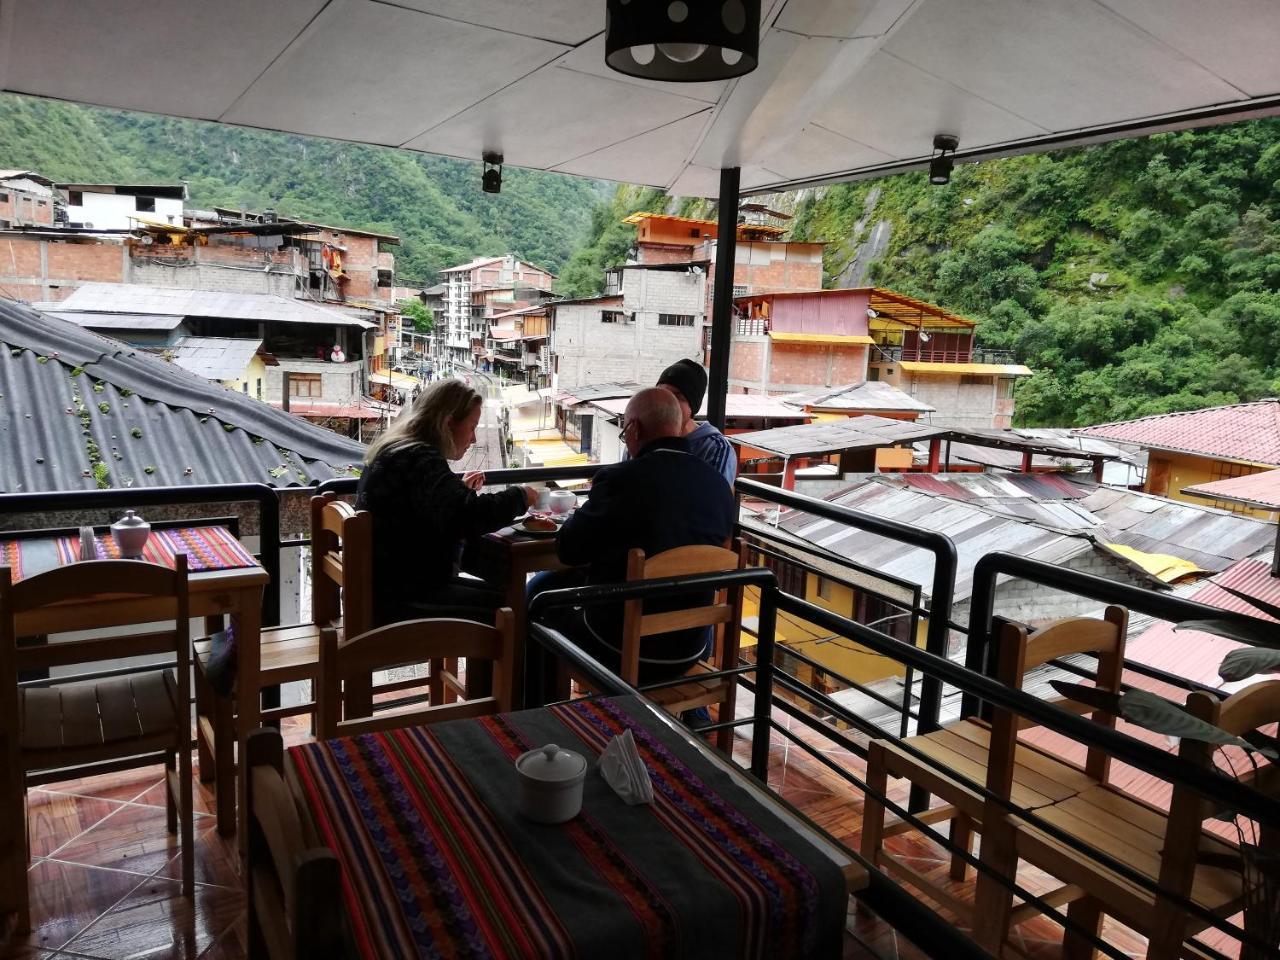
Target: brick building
[[26, 199], [478, 291], [796, 342]]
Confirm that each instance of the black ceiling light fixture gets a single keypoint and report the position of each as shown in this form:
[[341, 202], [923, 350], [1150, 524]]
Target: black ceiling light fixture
[[491, 182], [941, 163], [682, 41]]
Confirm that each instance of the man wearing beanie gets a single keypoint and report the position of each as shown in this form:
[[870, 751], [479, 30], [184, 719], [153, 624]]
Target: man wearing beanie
[[686, 380]]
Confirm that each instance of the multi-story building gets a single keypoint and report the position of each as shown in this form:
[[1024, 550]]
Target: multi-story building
[[329, 353], [795, 342], [521, 345], [476, 292], [763, 261], [122, 206], [650, 316], [26, 199]]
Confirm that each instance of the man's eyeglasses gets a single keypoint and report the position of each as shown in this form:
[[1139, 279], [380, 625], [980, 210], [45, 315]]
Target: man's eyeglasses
[[627, 424]]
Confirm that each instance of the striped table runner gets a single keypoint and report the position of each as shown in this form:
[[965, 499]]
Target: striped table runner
[[437, 863], [207, 548]]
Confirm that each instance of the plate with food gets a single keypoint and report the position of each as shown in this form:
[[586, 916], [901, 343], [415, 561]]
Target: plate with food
[[537, 526]]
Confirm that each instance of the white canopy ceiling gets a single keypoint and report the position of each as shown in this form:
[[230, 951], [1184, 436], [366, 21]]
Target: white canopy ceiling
[[845, 88]]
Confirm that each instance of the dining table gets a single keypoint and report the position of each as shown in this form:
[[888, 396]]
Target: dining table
[[436, 860], [506, 558]]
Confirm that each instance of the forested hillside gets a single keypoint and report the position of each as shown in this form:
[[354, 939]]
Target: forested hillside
[[434, 204], [1135, 277]]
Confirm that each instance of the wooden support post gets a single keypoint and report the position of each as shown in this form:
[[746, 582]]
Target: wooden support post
[[935, 453], [789, 475], [1097, 469], [1026, 461]]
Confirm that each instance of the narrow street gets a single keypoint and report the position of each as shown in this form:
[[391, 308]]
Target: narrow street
[[488, 453]]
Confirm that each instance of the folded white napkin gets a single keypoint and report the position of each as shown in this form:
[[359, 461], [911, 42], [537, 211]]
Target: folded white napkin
[[622, 769]]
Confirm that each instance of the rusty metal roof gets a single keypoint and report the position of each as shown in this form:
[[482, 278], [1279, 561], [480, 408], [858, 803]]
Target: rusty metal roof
[[1259, 490], [1248, 432], [832, 436], [70, 399]]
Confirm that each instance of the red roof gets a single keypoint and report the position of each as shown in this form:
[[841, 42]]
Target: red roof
[[1255, 490], [1241, 431]]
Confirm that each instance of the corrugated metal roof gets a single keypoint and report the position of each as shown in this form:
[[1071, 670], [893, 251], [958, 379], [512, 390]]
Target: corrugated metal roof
[[1248, 432], [133, 298], [1260, 490], [214, 358], [985, 369], [117, 321], [572, 396], [976, 531], [832, 436], [152, 423], [868, 395], [830, 339]]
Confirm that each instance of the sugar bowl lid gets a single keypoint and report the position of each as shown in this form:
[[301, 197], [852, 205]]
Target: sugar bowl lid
[[130, 519], [550, 764]]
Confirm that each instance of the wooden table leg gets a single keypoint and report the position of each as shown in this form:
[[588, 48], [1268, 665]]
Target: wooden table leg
[[248, 627], [517, 578]]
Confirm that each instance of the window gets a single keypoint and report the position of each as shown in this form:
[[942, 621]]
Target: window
[[4, 198], [304, 384], [824, 588], [974, 380], [675, 320], [75, 198], [145, 204], [42, 203], [616, 316], [693, 232], [245, 387], [741, 290]]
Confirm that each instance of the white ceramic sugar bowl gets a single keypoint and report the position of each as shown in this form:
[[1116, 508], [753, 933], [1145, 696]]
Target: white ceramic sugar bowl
[[130, 533], [550, 783], [562, 501]]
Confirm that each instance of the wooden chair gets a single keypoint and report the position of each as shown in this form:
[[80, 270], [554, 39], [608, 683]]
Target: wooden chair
[[293, 882], [347, 666], [1164, 847], [724, 614], [341, 597], [60, 731], [1029, 777]]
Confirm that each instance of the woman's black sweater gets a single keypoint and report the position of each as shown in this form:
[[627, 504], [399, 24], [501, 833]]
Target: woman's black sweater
[[422, 512]]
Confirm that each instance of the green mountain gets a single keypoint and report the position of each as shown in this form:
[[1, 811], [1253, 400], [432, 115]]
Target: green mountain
[[1134, 278], [434, 204]]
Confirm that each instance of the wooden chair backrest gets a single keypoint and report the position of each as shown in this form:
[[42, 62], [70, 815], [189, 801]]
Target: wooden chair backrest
[[724, 613], [1017, 653], [294, 886], [341, 565], [1254, 707], [347, 666], [131, 592]]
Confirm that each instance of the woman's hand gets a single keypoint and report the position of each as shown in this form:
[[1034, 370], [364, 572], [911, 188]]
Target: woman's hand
[[530, 497], [473, 480]]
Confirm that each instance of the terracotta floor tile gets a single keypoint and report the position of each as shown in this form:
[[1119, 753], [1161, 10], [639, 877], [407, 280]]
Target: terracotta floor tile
[[232, 945], [133, 838], [125, 785], [202, 795], [217, 859], [55, 818], [67, 897], [156, 920]]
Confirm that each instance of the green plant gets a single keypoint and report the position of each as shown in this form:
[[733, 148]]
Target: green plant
[[136, 433]]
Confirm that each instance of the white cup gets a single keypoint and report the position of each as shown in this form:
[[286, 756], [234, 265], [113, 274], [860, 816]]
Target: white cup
[[544, 499]]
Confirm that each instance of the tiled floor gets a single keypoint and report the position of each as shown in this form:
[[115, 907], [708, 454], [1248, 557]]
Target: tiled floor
[[104, 876]]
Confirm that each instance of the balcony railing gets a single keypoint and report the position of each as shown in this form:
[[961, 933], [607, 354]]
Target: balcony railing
[[926, 354], [810, 714]]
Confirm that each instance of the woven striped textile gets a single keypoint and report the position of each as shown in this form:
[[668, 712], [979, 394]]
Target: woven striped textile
[[207, 548], [437, 862]]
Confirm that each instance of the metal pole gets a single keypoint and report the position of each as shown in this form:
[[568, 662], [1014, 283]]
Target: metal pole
[[722, 297], [765, 637]]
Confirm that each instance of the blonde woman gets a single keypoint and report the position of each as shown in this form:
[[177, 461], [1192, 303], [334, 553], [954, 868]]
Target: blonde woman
[[423, 511]]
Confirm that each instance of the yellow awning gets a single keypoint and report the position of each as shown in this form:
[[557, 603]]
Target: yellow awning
[[831, 338], [393, 379], [1163, 566], [996, 369]]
